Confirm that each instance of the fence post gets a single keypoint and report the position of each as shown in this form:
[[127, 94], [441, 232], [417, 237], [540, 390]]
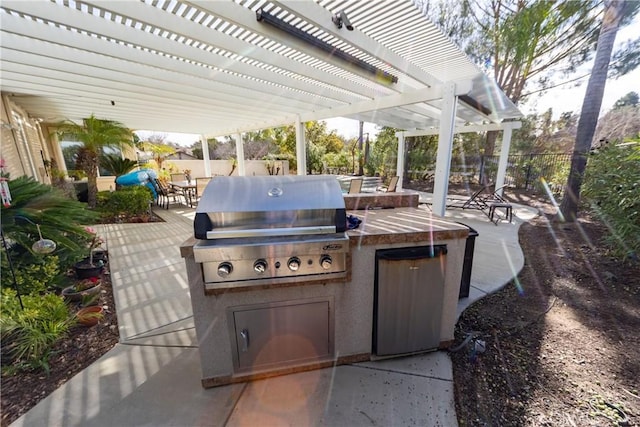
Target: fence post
[[528, 176]]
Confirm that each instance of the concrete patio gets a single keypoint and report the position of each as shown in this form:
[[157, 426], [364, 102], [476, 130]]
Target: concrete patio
[[152, 377]]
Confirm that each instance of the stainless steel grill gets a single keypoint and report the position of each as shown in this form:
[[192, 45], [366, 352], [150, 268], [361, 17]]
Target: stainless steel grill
[[271, 229]]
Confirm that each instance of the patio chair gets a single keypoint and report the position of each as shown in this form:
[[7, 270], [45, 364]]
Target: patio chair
[[167, 193], [158, 190], [481, 199], [175, 177], [475, 201], [393, 183], [355, 186], [201, 184]]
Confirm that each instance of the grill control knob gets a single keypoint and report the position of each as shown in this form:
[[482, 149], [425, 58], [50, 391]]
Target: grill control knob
[[326, 261], [293, 264], [224, 269], [260, 266]]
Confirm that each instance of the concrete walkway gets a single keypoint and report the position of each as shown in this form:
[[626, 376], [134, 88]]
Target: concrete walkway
[[152, 377]]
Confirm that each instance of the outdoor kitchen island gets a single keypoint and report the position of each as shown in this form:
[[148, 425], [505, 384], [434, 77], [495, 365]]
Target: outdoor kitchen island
[[274, 327]]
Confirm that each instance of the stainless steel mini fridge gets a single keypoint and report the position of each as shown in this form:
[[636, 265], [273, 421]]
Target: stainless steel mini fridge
[[408, 299]]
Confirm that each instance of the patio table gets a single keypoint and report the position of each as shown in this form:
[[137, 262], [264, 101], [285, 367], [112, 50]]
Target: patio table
[[187, 187]]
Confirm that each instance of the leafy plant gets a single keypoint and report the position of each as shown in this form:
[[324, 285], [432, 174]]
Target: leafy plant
[[60, 219], [33, 274], [612, 188], [85, 284], [90, 300], [28, 335], [90, 316], [116, 165], [127, 202]]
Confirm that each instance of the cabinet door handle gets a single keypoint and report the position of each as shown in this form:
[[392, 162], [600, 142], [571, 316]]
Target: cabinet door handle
[[245, 339]]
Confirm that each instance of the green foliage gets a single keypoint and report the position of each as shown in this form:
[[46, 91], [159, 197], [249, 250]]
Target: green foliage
[[60, 218], [612, 188], [33, 274], [126, 202], [340, 160], [315, 154], [383, 155], [421, 153], [28, 335], [160, 151], [116, 165], [630, 99], [95, 135]]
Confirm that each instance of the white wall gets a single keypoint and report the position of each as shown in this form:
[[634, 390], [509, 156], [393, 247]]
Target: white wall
[[224, 167]]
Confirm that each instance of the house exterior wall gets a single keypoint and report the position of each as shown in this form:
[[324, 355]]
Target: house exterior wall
[[22, 145]]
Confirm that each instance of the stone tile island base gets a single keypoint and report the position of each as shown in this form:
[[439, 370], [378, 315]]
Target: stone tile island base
[[242, 334]]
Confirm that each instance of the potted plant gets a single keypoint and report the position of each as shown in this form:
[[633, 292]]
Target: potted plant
[[90, 316], [90, 266], [83, 290]]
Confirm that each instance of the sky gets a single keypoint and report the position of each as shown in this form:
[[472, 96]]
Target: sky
[[569, 97], [563, 98]]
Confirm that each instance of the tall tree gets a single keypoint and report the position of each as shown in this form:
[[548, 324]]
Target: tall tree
[[95, 135], [525, 41], [613, 13]]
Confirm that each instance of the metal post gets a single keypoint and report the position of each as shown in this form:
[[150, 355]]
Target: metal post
[[13, 273]]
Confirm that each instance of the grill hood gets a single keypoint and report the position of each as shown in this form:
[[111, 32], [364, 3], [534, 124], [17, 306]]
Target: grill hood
[[250, 206]]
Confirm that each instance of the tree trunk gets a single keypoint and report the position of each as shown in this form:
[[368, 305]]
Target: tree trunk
[[591, 108], [92, 180], [490, 142]]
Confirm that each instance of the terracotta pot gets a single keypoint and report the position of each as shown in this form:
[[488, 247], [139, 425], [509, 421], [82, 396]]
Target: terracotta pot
[[90, 316], [84, 269]]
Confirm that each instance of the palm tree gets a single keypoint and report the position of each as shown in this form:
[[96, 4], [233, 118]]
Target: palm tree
[[613, 14], [96, 135]]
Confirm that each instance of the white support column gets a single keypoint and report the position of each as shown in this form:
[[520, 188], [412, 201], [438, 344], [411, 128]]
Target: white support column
[[205, 155], [58, 154], [400, 161], [240, 154], [445, 147], [301, 151], [504, 157]]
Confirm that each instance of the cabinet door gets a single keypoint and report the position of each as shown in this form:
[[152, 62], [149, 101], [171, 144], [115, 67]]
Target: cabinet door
[[408, 300], [282, 335]]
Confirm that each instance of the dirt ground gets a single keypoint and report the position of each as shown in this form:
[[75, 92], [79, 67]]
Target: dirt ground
[[560, 342], [81, 347]]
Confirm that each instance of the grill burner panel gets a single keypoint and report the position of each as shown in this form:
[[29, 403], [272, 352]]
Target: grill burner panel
[[252, 260]]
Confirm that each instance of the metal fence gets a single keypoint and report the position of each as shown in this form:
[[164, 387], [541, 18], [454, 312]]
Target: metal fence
[[529, 171], [524, 171]]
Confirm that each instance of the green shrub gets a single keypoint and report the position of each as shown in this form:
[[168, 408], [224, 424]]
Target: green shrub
[[34, 274], [124, 203], [28, 335], [611, 187]]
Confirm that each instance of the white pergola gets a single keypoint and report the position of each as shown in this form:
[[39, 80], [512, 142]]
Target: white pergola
[[213, 68]]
